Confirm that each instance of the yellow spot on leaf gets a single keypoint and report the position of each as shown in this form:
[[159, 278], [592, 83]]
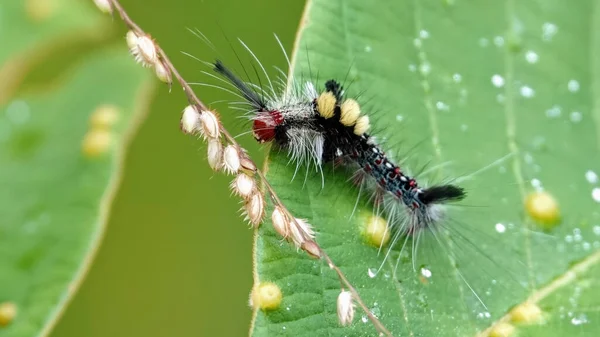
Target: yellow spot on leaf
[[527, 313], [543, 209], [104, 117], [502, 330], [96, 143], [40, 10], [266, 296], [375, 230], [8, 312]]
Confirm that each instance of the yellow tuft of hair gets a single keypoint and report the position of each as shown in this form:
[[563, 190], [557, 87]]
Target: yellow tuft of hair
[[350, 111], [362, 125], [326, 104]]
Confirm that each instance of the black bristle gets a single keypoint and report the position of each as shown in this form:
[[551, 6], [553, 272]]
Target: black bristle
[[440, 194], [249, 94], [336, 88]]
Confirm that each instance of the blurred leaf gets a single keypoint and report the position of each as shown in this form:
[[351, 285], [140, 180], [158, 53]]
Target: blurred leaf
[[30, 28], [59, 169], [54, 199], [457, 85]]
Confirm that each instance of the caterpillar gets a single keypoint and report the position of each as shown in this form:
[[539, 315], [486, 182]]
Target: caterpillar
[[328, 127]]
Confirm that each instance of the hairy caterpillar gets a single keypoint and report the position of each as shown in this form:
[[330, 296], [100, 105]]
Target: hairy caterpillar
[[328, 127], [317, 126]]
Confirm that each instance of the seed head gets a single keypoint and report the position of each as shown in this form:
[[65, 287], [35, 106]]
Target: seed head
[[232, 159], [280, 222], [104, 5], [312, 249], [300, 231], [345, 308], [243, 185], [144, 51], [210, 124], [248, 165], [131, 38], [163, 72], [190, 120], [215, 154], [255, 208]]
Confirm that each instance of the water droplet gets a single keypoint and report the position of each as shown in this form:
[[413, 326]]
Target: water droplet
[[441, 106], [575, 116], [536, 183], [483, 42], [425, 68], [596, 230], [417, 42], [573, 86], [372, 272], [579, 320], [531, 56], [425, 272], [18, 112], [554, 112], [591, 177], [364, 319], [399, 118], [457, 78], [499, 41], [412, 68], [500, 228], [368, 49], [528, 158], [527, 91], [423, 34], [596, 194], [548, 31], [586, 246], [498, 81]]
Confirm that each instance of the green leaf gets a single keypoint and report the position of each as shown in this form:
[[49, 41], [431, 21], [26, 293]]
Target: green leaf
[[501, 95], [55, 190], [29, 29]]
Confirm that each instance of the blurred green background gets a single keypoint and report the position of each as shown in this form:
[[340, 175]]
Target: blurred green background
[[176, 259]]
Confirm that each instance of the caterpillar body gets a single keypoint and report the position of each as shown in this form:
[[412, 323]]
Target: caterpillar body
[[327, 127]]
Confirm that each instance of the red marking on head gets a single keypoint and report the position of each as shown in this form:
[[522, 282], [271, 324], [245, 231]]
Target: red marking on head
[[264, 125]]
